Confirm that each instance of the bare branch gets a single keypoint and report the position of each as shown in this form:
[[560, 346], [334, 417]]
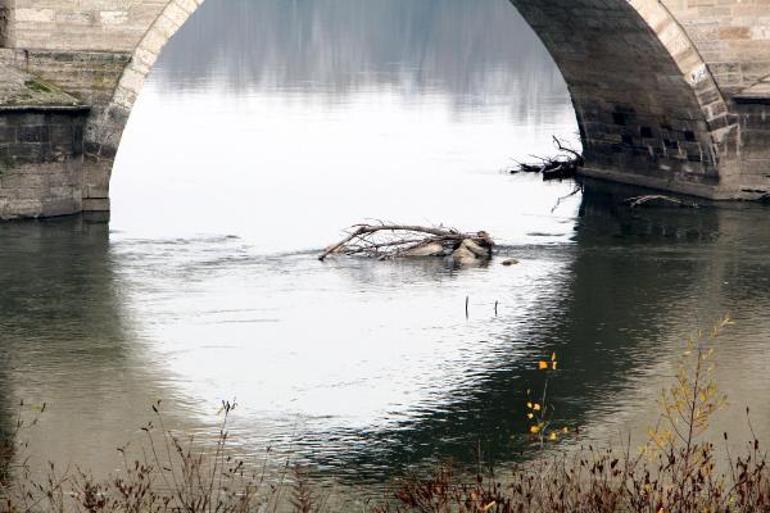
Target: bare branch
[[639, 201], [563, 165], [394, 240]]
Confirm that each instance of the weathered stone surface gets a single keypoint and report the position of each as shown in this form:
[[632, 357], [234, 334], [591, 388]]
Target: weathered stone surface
[[732, 36], [672, 94], [19, 88], [648, 108], [5, 22], [41, 160]]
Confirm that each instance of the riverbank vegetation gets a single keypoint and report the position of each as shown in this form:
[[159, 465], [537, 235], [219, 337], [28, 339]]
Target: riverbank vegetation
[[679, 469], [676, 470]]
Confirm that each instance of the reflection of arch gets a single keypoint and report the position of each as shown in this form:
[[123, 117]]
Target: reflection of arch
[[600, 320], [64, 340]]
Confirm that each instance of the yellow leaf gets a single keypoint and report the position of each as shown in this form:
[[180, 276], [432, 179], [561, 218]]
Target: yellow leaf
[[529, 405], [553, 365], [542, 365], [565, 430], [534, 429], [552, 436], [553, 357], [536, 407], [489, 506], [530, 415]]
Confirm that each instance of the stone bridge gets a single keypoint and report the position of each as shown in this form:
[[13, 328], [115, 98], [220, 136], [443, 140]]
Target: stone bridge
[[669, 94]]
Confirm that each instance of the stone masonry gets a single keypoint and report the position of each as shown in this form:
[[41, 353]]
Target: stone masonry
[[648, 109], [668, 94], [41, 147], [99, 51], [41, 160], [671, 94]]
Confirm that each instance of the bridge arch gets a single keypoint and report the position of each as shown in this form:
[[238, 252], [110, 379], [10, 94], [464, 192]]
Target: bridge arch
[[104, 130], [649, 110]]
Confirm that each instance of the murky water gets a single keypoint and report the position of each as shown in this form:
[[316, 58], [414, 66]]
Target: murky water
[[269, 126]]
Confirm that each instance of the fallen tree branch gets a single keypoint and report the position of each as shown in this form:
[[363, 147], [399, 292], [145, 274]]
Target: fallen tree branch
[[578, 157], [563, 165], [386, 241]]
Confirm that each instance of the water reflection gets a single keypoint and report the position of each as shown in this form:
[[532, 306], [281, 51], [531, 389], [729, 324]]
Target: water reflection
[[634, 283], [6, 426], [61, 326], [393, 390], [689, 269], [268, 127], [470, 51]]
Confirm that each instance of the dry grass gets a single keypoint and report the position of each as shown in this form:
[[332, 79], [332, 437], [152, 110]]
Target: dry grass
[[675, 471], [678, 480], [172, 475]]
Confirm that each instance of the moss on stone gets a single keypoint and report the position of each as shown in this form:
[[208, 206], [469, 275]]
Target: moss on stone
[[18, 88], [6, 164], [39, 86]]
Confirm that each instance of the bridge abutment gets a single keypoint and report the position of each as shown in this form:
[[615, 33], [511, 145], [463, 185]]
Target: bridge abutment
[[99, 52]]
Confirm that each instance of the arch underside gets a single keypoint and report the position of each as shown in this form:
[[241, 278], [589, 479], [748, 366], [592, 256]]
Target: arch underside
[[648, 109], [107, 122]]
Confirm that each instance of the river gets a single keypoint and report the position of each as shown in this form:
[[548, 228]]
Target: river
[[269, 126]]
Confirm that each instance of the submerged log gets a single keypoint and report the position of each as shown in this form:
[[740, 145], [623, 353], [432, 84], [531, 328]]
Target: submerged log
[[657, 200], [389, 241]]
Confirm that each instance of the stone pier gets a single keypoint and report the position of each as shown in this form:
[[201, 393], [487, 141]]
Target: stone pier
[[41, 147]]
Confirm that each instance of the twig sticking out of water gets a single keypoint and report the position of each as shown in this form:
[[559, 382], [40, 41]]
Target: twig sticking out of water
[[578, 188]]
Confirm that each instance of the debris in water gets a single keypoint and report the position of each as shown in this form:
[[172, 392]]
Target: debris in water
[[564, 165], [388, 241], [658, 200]]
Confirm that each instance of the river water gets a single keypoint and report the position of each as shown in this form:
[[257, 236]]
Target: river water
[[269, 126]]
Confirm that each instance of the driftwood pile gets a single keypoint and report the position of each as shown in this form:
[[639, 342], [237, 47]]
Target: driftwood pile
[[388, 241], [563, 165]]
